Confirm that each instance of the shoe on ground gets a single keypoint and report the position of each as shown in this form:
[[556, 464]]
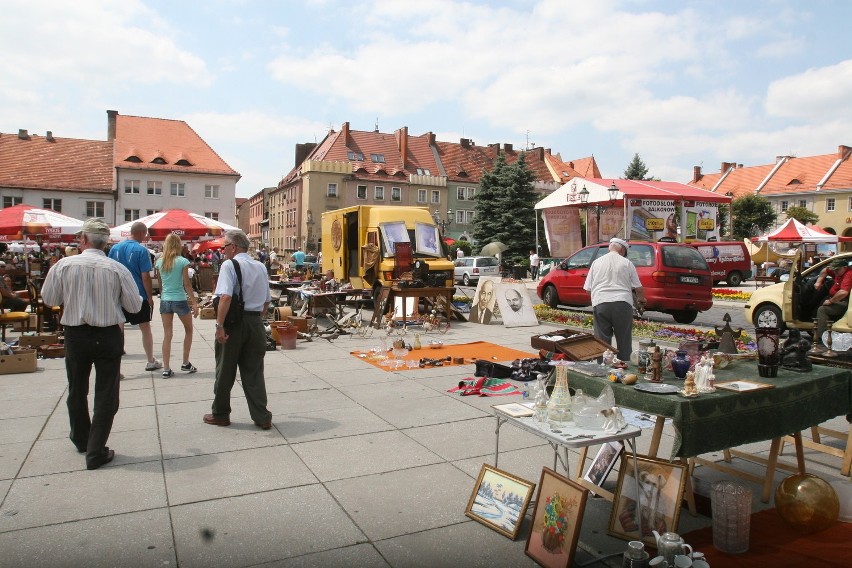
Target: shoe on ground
[[188, 367], [212, 420], [153, 365], [168, 374], [265, 425], [100, 460]]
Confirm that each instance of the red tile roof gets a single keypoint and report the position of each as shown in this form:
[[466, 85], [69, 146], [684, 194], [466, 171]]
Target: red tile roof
[[172, 140], [740, 181], [799, 174], [62, 164]]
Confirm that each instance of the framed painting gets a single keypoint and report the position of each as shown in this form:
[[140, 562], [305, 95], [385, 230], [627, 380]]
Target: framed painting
[[393, 233], [499, 500], [516, 309], [556, 520], [660, 490], [427, 239], [603, 463]]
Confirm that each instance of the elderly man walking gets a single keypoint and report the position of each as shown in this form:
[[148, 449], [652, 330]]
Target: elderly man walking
[[137, 260], [94, 291], [612, 279], [242, 345]]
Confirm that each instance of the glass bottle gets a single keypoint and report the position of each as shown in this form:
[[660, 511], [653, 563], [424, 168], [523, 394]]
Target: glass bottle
[[541, 399], [644, 357], [559, 405], [417, 341]]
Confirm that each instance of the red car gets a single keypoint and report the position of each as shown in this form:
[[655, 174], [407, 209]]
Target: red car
[[675, 277]]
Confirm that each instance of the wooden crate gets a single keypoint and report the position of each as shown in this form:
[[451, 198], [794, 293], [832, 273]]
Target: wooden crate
[[577, 345], [22, 361]]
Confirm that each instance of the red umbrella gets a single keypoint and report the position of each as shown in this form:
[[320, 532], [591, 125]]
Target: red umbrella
[[23, 220], [209, 245], [188, 226], [794, 232]]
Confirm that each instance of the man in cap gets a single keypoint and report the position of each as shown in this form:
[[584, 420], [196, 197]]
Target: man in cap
[[612, 280], [137, 260], [94, 291], [837, 302]]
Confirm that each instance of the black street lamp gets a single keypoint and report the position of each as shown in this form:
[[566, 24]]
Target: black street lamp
[[443, 223], [598, 208]]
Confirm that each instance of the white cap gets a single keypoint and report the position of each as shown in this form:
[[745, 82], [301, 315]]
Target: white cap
[[619, 242]]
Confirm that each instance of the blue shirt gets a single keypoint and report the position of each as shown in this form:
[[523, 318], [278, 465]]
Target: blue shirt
[[136, 258], [171, 282], [299, 258]]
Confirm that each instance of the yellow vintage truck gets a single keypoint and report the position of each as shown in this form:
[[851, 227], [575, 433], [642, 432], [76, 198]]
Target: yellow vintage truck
[[375, 245]]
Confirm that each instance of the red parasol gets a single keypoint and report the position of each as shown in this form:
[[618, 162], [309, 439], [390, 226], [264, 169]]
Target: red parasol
[[213, 244], [21, 221], [188, 226]]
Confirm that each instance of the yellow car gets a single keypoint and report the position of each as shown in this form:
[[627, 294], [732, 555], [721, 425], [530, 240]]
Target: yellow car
[[794, 303]]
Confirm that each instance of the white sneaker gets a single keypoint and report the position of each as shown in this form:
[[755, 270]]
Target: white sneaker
[[153, 365]]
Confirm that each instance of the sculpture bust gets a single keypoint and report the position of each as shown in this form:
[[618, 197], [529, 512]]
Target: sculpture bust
[[794, 352]]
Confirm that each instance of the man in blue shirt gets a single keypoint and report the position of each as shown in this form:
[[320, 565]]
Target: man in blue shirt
[[299, 258], [137, 259]]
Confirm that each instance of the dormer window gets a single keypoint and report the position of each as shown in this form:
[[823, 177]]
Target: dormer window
[[423, 172], [183, 162], [134, 159], [158, 160], [794, 181], [377, 158], [355, 156]]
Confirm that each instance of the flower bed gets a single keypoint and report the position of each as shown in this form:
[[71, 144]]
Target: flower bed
[[728, 294], [641, 328]]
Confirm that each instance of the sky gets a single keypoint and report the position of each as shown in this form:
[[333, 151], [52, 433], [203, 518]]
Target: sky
[[682, 83]]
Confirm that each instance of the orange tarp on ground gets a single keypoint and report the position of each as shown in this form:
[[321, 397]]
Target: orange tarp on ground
[[469, 351]]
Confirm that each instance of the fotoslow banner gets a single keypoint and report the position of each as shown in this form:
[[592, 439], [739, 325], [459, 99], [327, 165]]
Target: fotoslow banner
[[699, 221], [652, 219], [562, 230]]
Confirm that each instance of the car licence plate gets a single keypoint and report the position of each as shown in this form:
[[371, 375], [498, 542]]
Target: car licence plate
[[690, 279]]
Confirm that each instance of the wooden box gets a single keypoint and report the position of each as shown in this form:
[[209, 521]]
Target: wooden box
[[22, 361], [301, 323], [37, 340], [577, 345], [207, 313]]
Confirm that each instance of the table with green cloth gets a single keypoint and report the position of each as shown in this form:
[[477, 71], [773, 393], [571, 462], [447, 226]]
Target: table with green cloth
[[726, 419]]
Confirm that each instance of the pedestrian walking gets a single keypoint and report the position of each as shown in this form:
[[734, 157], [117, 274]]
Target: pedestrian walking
[[534, 265], [612, 280], [96, 293], [176, 298], [241, 345], [137, 259]]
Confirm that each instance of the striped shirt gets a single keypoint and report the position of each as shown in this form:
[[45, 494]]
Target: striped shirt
[[93, 288]]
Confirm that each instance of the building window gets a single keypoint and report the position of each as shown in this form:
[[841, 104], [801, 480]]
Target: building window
[[423, 172], [361, 192], [850, 204], [332, 190], [460, 216], [470, 193], [436, 196], [460, 193], [155, 188], [55, 204], [178, 189], [212, 215], [11, 201], [150, 211], [132, 186], [380, 193], [377, 158], [131, 214], [396, 194], [355, 156], [468, 217], [830, 204], [211, 191], [803, 203], [94, 209], [784, 206], [421, 196]]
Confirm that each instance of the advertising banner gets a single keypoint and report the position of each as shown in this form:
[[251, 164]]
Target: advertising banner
[[652, 219], [700, 221], [612, 225], [562, 230]]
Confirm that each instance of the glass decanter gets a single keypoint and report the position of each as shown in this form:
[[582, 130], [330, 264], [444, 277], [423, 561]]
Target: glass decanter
[[541, 399], [559, 405]]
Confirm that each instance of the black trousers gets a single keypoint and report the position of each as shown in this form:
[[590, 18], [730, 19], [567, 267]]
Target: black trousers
[[244, 350], [86, 346]]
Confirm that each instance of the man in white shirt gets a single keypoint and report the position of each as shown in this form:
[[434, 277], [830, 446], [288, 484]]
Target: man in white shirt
[[533, 265], [612, 279]]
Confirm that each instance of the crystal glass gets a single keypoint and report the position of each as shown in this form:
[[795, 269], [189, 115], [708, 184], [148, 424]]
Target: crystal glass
[[731, 506], [559, 405], [399, 353]]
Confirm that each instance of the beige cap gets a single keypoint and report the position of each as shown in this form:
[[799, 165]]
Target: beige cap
[[619, 242], [96, 226]]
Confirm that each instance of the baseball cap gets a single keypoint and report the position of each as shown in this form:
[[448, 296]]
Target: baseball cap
[[839, 263], [95, 226], [619, 242]]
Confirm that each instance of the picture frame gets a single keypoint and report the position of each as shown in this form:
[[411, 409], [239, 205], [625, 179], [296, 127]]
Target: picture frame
[[392, 233], [514, 409], [500, 500], [743, 385], [556, 520], [603, 463], [661, 485], [516, 309], [427, 239]]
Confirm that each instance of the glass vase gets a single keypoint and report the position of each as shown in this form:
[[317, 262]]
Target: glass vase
[[559, 405]]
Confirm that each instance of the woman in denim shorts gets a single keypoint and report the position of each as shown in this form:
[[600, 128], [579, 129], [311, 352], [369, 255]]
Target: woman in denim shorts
[[176, 298]]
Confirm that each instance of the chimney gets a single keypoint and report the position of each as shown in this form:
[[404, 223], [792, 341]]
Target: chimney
[[431, 137], [50, 137], [696, 173], [507, 147], [111, 114], [303, 151], [465, 142], [843, 152], [22, 134], [540, 150], [402, 143], [727, 166], [344, 132]]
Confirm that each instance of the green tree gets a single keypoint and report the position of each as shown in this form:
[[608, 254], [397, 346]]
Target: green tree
[[504, 208], [803, 215], [752, 213], [636, 169]]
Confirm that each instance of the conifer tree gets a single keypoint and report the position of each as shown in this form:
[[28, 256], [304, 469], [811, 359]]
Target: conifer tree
[[636, 169]]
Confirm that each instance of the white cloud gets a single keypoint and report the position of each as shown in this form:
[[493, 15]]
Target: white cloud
[[817, 94]]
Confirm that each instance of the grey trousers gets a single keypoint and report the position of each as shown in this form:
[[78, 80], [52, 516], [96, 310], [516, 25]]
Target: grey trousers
[[615, 318], [826, 313]]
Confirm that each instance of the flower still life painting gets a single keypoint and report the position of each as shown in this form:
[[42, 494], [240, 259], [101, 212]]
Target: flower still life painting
[[500, 500], [556, 520]]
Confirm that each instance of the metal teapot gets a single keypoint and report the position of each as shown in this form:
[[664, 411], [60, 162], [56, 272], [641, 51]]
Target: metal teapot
[[671, 544]]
